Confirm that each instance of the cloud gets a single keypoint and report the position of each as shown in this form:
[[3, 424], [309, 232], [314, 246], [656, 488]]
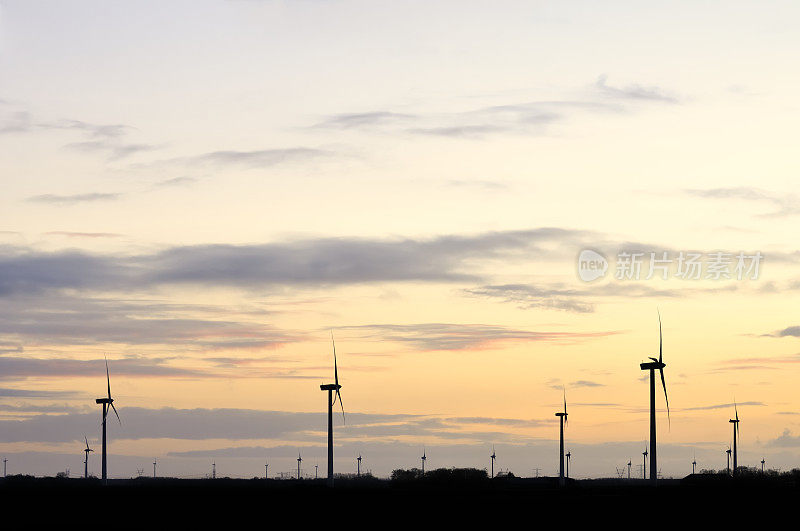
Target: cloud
[[175, 181], [585, 383], [785, 440], [365, 119], [633, 92], [91, 235], [728, 405], [312, 262], [114, 149], [74, 199], [789, 331], [784, 204], [20, 368], [65, 320], [35, 393], [527, 296], [448, 336], [259, 158]]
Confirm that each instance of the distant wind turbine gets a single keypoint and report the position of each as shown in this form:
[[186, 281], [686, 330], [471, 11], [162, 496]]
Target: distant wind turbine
[[154, 467], [358, 474], [316, 471], [266, 470], [333, 394], [108, 403], [762, 465], [629, 468], [694, 464], [728, 451], [569, 457], [562, 420], [86, 458], [299, 460], [655, 365], [644, 465], [735, 422], [424, 458], [493, 456]]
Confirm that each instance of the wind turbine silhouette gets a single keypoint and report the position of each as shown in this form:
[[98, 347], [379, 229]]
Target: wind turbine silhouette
[[266, 470], [728, 451], [299, 460], [333, 394], [656, 364], [629, 468], [762, 465], [154, 467], [644, 463], [735, 422], [107, 403], [86, 458], [569, 457], [694, 463], [562, 420], [424, 457], [493, 456], [358, 474]]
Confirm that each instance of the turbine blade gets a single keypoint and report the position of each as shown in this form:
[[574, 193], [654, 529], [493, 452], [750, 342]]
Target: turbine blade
[[344, 419], [335, 367], [115, 412], [87, 441], [108, 378], [666, 398], [660, 338]]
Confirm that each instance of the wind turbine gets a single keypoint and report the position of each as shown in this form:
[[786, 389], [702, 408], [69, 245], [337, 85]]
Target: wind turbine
[[728, 451], [644, 463], [493, 456], [569, 456], [735, 422], [655, 365], [358, 474], [316, 471], [629, 468], [332, 388], [154, 467], [266, 470], [299, 460], [108, 403], [562, 420], [86, 458], [762, 465], [694, 464], [424, 457]]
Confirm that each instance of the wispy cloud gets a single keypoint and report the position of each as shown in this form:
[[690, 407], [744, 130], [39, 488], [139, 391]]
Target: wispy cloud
[[634, 92], [259, 158], [728, 405], [450, 336], [783, 204], [75, 198], [785, 440], [90, 235]]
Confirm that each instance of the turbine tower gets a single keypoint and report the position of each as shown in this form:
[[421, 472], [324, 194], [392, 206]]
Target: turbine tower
[[316, 471], [694, 464], [644, 463], [358, 474], [154, 467], [266, 470], [299, 460], [735, 422], [562, 420], [493, 456], [86, 458], [728, 451], [424, 457], [4, 466], [629, 468], [655, 365], [762, 465], [108, 403], [333, 394]]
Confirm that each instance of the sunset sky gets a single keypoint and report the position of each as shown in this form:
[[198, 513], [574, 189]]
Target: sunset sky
[[203, 190]]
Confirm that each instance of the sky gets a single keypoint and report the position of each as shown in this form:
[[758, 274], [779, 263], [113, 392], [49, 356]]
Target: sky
[[203, 192]]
